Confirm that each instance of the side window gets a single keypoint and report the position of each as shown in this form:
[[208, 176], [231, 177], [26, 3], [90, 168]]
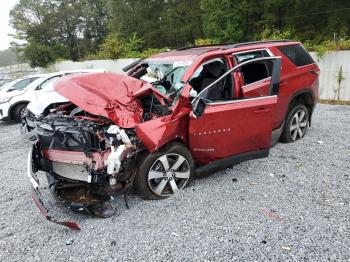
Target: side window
[[47, 84], [255, 71], [33, 79], [21, 84], [297, 54], [207, 74], [200, 101]]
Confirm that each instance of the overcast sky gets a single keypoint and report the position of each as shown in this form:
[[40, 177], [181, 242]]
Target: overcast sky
[[5, 29]]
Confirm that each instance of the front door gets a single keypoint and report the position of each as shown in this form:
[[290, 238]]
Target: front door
[[226, 128]]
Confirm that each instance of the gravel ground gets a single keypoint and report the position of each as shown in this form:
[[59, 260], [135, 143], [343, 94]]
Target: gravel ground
[[293, 205]]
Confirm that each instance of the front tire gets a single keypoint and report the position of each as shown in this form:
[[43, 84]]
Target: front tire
[[163, 173], [296, 125], [19, 111]]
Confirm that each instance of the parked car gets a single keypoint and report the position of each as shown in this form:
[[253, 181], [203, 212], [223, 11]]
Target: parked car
[[174, 116], [8, 91], [47, 98], [15, 97]]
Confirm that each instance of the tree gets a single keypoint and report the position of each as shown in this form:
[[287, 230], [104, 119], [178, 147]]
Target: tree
[[76, 29], [222, 20], [142, 17], [159, 23], [181, 23], [47, 30]]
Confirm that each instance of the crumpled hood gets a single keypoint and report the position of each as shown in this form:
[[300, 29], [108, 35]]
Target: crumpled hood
[[106, 94]]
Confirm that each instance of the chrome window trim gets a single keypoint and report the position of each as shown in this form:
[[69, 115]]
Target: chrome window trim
[[254, 50], [300, 67], [230, 71], [239, 100], [208, 62]]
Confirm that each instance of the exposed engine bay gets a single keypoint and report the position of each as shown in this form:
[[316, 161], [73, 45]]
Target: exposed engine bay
[[87, 159]]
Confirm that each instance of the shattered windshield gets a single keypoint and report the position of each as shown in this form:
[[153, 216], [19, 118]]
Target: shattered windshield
[[165, 76]]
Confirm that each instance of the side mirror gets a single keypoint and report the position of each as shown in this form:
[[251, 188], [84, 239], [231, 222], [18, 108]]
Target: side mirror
[[198, 107]]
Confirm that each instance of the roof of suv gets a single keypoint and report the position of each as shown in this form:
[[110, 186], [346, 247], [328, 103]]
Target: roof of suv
[[190, 53]]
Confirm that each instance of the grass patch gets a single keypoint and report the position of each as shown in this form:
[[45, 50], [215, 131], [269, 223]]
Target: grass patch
[[333, 102]]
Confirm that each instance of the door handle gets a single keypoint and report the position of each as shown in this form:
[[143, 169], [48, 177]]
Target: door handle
[[283, 83], [262, 110]]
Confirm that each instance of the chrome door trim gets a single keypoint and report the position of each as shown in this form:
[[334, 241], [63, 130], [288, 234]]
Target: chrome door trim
[[239, 100]]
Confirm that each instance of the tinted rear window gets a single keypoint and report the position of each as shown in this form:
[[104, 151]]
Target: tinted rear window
[[297, 54]]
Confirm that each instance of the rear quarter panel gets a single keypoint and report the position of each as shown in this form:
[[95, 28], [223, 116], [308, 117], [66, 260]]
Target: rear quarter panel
[[298, 79]]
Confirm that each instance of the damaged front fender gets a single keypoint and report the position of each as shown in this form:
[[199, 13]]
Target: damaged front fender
[[156, 133]]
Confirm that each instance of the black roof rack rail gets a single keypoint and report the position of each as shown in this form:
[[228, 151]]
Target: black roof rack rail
[[257, 42], [199, 46], [234, 44]]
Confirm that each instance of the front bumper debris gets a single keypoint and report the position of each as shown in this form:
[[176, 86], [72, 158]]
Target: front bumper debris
[[87, 164], [36, 195]]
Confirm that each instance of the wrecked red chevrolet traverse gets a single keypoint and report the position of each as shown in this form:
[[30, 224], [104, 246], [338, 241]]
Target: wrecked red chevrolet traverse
[[173, 116]]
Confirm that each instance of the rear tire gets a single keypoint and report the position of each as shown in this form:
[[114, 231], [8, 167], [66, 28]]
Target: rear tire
[[19, 111], [296, 125], [163, 173]]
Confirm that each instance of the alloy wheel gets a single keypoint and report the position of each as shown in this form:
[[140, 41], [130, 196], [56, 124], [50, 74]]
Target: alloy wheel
[[298, 125], [168, 174]]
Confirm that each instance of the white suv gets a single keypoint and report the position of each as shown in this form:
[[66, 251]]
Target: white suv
[[15, 97]]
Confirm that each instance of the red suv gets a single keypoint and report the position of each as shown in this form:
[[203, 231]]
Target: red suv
[[173, 116]]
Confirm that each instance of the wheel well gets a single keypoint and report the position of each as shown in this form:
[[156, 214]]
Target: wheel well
[[14, 106], [304, 98], [171, 142]]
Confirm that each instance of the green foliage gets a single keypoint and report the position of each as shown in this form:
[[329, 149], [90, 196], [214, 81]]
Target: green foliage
[[205, 41], [275, 34], [111, 29], [38, 54], [222, 20], [152, 51], [112, 48], [50, 29], [160, 23], [133, 46], [323, 47], [340, 78]]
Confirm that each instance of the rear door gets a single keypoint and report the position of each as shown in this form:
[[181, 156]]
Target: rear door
[[256, 76], [220, 129]]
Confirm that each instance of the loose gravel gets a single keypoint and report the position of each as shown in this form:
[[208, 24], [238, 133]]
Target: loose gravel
[[292, 206]]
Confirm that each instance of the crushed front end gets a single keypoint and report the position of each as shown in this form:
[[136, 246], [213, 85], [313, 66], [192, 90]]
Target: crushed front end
[[87, 160], [90, 147]]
